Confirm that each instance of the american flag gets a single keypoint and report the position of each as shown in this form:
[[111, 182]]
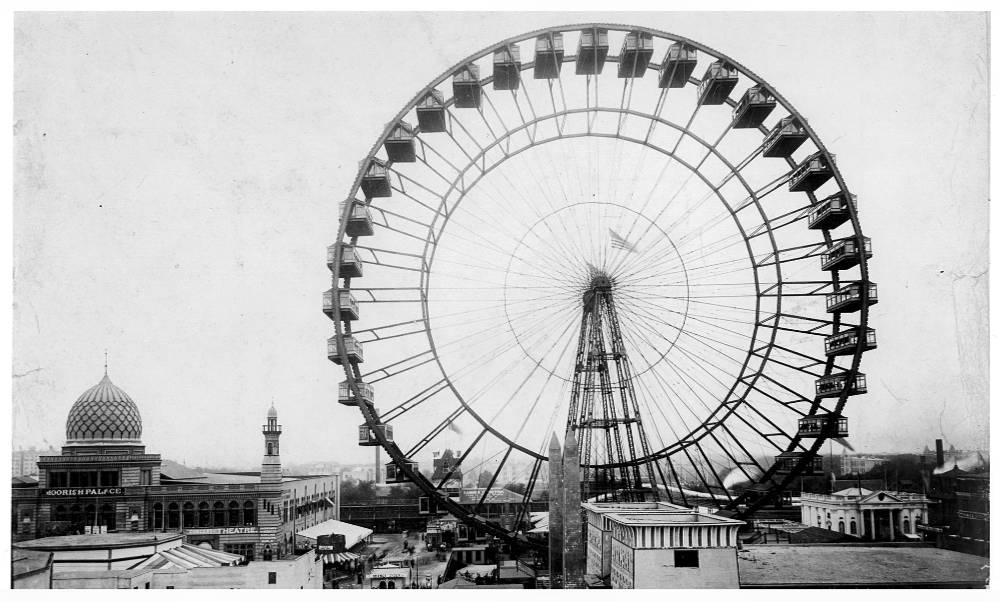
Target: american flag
[[618, 242]]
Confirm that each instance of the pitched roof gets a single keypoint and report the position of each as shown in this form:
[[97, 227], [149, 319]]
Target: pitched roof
[[471, 495], [186, 556], [352, 533]]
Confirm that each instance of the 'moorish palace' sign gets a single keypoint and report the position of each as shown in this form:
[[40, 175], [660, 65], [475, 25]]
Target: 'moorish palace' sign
[[86, 491]]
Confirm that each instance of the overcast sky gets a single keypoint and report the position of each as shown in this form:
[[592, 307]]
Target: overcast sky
[[177, 180]]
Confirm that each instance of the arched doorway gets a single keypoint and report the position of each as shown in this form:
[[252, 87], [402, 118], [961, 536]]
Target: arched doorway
[[108, 518]]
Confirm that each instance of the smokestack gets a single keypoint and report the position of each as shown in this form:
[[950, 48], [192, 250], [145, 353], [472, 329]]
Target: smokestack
[[939, 446]]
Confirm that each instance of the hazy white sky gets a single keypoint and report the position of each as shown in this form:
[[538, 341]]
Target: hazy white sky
[[177, 180]]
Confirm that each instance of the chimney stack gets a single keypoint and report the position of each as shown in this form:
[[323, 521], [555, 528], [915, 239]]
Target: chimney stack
[[939, 446]]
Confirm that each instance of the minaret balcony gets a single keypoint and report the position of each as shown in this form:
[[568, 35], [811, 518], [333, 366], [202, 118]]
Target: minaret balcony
[[271, 428]]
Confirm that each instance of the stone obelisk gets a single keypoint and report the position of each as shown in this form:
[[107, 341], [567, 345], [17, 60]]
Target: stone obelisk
[[574, 557], [556, 506]]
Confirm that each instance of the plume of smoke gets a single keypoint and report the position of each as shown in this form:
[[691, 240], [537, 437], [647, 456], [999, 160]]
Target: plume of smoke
[[966, 462], [736, 477]]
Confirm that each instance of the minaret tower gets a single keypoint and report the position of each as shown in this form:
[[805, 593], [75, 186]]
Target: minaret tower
[[270, 469]]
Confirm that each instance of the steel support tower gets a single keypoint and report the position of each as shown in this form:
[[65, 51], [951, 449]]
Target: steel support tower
[[604, 412]]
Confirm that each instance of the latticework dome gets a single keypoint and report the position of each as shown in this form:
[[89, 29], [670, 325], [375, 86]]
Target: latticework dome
[[104, 413]]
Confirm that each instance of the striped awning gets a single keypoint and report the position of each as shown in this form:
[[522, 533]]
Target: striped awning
[[186, 556], [339, 557]]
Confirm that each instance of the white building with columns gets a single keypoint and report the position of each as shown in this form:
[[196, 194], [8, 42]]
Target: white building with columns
[[871, 515]]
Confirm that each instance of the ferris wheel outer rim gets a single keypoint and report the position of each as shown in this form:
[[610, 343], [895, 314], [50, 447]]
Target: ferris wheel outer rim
[[834, 275]]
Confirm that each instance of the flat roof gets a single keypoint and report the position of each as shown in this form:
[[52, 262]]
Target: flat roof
[[605, 507], [670, 518], [97, 540], [857, 565]]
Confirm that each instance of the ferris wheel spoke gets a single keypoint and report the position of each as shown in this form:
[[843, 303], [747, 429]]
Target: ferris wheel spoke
[[422, 157], [457, 465], [780, 432], [376, 332], [445, 424], [812, 360], [425, 357], [415, 259], [415, 400], [524, 510], [493, 480], [672, 394], [685, 131], [715, 474], [651, 320], [799, 398]]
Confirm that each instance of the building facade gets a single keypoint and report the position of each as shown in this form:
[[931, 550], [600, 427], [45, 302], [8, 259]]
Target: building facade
[[598, 529], [872, 515], [859, 464], [669, 550], [104, 481]]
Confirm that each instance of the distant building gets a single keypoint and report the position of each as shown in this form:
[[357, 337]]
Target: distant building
[[872, 515], [104, 481], [25, 461], [960, 511], [859, 464]]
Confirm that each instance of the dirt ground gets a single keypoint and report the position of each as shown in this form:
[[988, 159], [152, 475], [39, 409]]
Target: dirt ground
[[427, 568]]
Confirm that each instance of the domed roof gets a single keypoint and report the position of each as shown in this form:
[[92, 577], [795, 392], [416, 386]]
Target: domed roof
[[272, 413], [104, 413]]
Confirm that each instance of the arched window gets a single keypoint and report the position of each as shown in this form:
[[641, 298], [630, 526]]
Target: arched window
[[157, 515], [854, 527], [906, 525], [173, 516], [381, 585], [108, 518], [248, 514], [840, 526], [829, 525], [76, 516], [188, 514], [819, 520], [204, 515], [270, 449], [219, 514], [61, 513], [234, 513]]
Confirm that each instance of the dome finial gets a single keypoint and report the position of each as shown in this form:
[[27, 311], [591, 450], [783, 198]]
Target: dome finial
[[105, 362]]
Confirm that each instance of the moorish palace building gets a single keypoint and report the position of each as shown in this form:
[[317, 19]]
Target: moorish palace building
[[104, 481]]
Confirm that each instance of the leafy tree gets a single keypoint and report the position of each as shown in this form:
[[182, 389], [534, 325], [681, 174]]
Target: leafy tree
[[357, 491]]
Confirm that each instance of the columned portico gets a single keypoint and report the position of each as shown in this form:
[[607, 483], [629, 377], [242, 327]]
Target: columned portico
[[870, 515]]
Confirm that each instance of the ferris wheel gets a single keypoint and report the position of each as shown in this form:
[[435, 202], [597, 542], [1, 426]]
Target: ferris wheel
[[642, 243]]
